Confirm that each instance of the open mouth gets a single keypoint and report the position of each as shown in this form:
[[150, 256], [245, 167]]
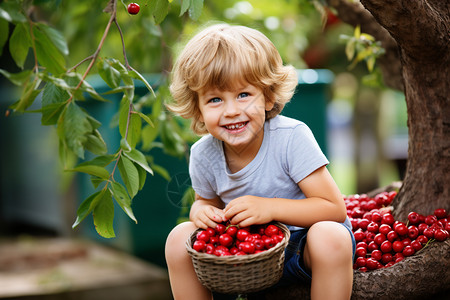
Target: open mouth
[[236, 126]]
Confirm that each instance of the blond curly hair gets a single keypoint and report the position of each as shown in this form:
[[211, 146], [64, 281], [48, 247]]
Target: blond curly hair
[[221, 56]]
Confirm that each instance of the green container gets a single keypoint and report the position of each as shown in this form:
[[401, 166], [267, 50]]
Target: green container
[[157, 207]]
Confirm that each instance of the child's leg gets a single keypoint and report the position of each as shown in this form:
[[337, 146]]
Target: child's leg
[[183, 280], [328, 254]]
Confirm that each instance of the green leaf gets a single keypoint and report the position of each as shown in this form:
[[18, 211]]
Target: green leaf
[[108, 73], [161, 171], [85, 208], [4, 33], [135, 74], [357, 32], [350, 49], [184, 6], [120, 194], [96, 181], [139, 158], [149, 134], [102, 161], [133, 134], [47, 53], [56, 38], [94, 170], [370, 63], [51, 113], [195, 10], [104, 216], [142, 177], [146, 118], [130, 175], [73, 126], [11, 12], [160, 9], [29, 94], [124, 145], [17, 78], [95, 143], [54, 99], [19, 44], [173, 143]]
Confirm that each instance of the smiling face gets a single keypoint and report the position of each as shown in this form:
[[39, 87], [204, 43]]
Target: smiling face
[[235, 116]]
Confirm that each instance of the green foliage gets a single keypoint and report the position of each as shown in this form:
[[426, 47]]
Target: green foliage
[[362, 47], [141, 120]]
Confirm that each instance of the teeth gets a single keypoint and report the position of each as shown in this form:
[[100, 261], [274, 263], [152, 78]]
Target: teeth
[[235, 126]]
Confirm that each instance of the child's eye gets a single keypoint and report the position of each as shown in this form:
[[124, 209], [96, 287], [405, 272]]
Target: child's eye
[[214, 100], [243, 95]]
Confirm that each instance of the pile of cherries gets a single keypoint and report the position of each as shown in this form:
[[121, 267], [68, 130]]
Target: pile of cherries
[[382, 241], [227, 239]]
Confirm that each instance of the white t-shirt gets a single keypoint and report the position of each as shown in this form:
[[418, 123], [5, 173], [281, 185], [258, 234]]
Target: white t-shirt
[[288, 154]]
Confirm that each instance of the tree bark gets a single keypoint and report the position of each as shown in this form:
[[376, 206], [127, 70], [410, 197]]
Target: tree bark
[[418, 277]]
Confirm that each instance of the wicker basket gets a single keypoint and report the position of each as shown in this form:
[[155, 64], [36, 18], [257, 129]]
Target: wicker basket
[[239, 274]]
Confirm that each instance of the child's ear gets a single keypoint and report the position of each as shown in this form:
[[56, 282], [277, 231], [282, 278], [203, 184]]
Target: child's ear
[[269, 105]]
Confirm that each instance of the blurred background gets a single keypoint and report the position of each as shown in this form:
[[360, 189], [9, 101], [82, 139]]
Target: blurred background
[[359, 123]]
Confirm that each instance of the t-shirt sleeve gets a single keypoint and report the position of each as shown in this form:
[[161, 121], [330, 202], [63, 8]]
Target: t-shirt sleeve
[[201, 178], [304, 155]]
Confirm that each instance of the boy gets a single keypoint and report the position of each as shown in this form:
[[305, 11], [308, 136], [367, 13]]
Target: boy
[[254, 166]]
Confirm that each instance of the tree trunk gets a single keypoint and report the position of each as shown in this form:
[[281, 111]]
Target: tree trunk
[[416, 34], [422, 31]]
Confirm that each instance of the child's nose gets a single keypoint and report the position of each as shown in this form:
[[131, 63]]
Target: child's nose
[[231, 108]]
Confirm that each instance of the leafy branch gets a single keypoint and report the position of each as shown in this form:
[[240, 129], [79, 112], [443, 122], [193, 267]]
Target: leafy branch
[[63, 92]]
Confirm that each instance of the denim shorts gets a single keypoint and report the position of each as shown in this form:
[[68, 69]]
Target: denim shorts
[[294, 268]]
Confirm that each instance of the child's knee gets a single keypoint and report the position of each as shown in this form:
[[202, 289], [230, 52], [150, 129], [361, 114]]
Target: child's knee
[[330, 240], [176, 240]]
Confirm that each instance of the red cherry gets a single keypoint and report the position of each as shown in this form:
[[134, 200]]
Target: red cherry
[[441, 235], [372, 246], [379, 238], [440, 213], [199, 245], [211, 231], [247, 247], [398, 246], [422, 227], [359, 235], [225, 240], [429, 232], [361, 252], [271, 230], [384, 229], [416, 245], [408, 251], [392, 236], [388, 218], [413, 217], [242, 234], [386, 247], [422, 239], [210, 248], [373, 227], [413, 232], [133, 8], [360, 262], [376, 217], [371, 264], [361, 244], [386, 258], [376, 254], [401, 229], [362, 223], [430, 220], [269, 242], [232, 230], [220, 228], [203, 236]]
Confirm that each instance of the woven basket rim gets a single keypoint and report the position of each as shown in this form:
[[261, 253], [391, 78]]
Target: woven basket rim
[[235, 259]]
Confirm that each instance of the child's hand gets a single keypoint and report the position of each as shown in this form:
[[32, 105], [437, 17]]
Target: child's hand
[[248, 210], [207, 216]]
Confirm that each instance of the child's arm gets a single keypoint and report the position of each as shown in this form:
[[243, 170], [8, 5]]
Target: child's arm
[[206, 212], [323, 202]]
